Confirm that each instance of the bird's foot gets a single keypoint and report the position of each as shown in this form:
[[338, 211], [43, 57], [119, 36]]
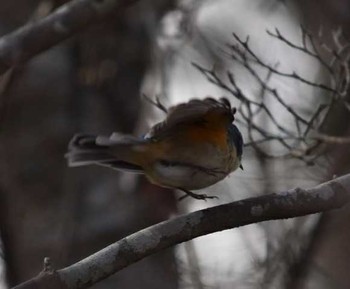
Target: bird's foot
[[195, 196]]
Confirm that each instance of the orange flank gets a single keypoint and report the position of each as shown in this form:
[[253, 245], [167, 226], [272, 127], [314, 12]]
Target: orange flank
[[145, 154], [213, 130], [216, 136]]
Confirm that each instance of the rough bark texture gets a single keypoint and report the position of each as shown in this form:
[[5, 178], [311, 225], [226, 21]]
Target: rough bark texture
[[293, 203]]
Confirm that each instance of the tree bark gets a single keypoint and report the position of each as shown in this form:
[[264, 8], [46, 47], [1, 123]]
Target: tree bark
[[297, 202]]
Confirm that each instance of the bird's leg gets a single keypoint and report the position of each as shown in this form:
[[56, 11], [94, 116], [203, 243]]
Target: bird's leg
[[195, 196], [156, 103]]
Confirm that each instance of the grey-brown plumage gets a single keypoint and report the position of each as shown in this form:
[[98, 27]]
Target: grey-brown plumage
[[196, 146]]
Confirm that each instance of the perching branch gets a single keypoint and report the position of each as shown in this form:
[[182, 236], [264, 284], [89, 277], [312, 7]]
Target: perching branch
[[33, 38], [293, 203]]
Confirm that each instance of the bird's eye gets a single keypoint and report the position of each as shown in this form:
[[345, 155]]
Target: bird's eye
[[234, 110], [231, 117]]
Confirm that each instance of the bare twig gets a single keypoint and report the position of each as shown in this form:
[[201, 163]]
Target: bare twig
[[313, 53], [293, 203], [304, 140], [157, 103], [48, 267], [293, 74]]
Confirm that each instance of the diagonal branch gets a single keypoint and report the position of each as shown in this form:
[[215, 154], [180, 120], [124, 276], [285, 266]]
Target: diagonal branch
[[33, 38], [293, 203]]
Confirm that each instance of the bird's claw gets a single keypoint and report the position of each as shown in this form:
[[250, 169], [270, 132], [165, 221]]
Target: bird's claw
[[196, 196]]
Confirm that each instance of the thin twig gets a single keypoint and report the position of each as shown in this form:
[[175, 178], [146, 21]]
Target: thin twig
[[306, 138]]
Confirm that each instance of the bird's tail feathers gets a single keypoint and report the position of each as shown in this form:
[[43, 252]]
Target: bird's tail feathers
[[86, 149]]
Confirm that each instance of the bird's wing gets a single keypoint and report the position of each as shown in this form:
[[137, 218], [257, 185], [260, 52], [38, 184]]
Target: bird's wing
[[192, 112]]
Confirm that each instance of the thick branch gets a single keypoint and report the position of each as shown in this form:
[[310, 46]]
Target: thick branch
[[289, 204], [33, 38]]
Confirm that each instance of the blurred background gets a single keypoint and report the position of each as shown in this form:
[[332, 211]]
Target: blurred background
[[93, 83]]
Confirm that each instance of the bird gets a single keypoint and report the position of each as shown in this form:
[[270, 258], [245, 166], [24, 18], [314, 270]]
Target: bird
[[194, 147]]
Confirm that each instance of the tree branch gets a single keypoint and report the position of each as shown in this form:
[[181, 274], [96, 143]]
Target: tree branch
[[293, 203], [33, 38]]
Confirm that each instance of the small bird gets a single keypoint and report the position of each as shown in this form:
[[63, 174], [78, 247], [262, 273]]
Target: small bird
[[196, 146]]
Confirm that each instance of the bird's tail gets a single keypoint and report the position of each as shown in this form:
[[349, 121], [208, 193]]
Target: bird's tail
[[113, 151]]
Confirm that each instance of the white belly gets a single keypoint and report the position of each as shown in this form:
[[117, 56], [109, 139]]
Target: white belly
[[185, 177]]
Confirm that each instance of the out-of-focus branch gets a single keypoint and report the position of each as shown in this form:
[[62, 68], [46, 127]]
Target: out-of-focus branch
[[35, 37], [289, 204], [42, 10]]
